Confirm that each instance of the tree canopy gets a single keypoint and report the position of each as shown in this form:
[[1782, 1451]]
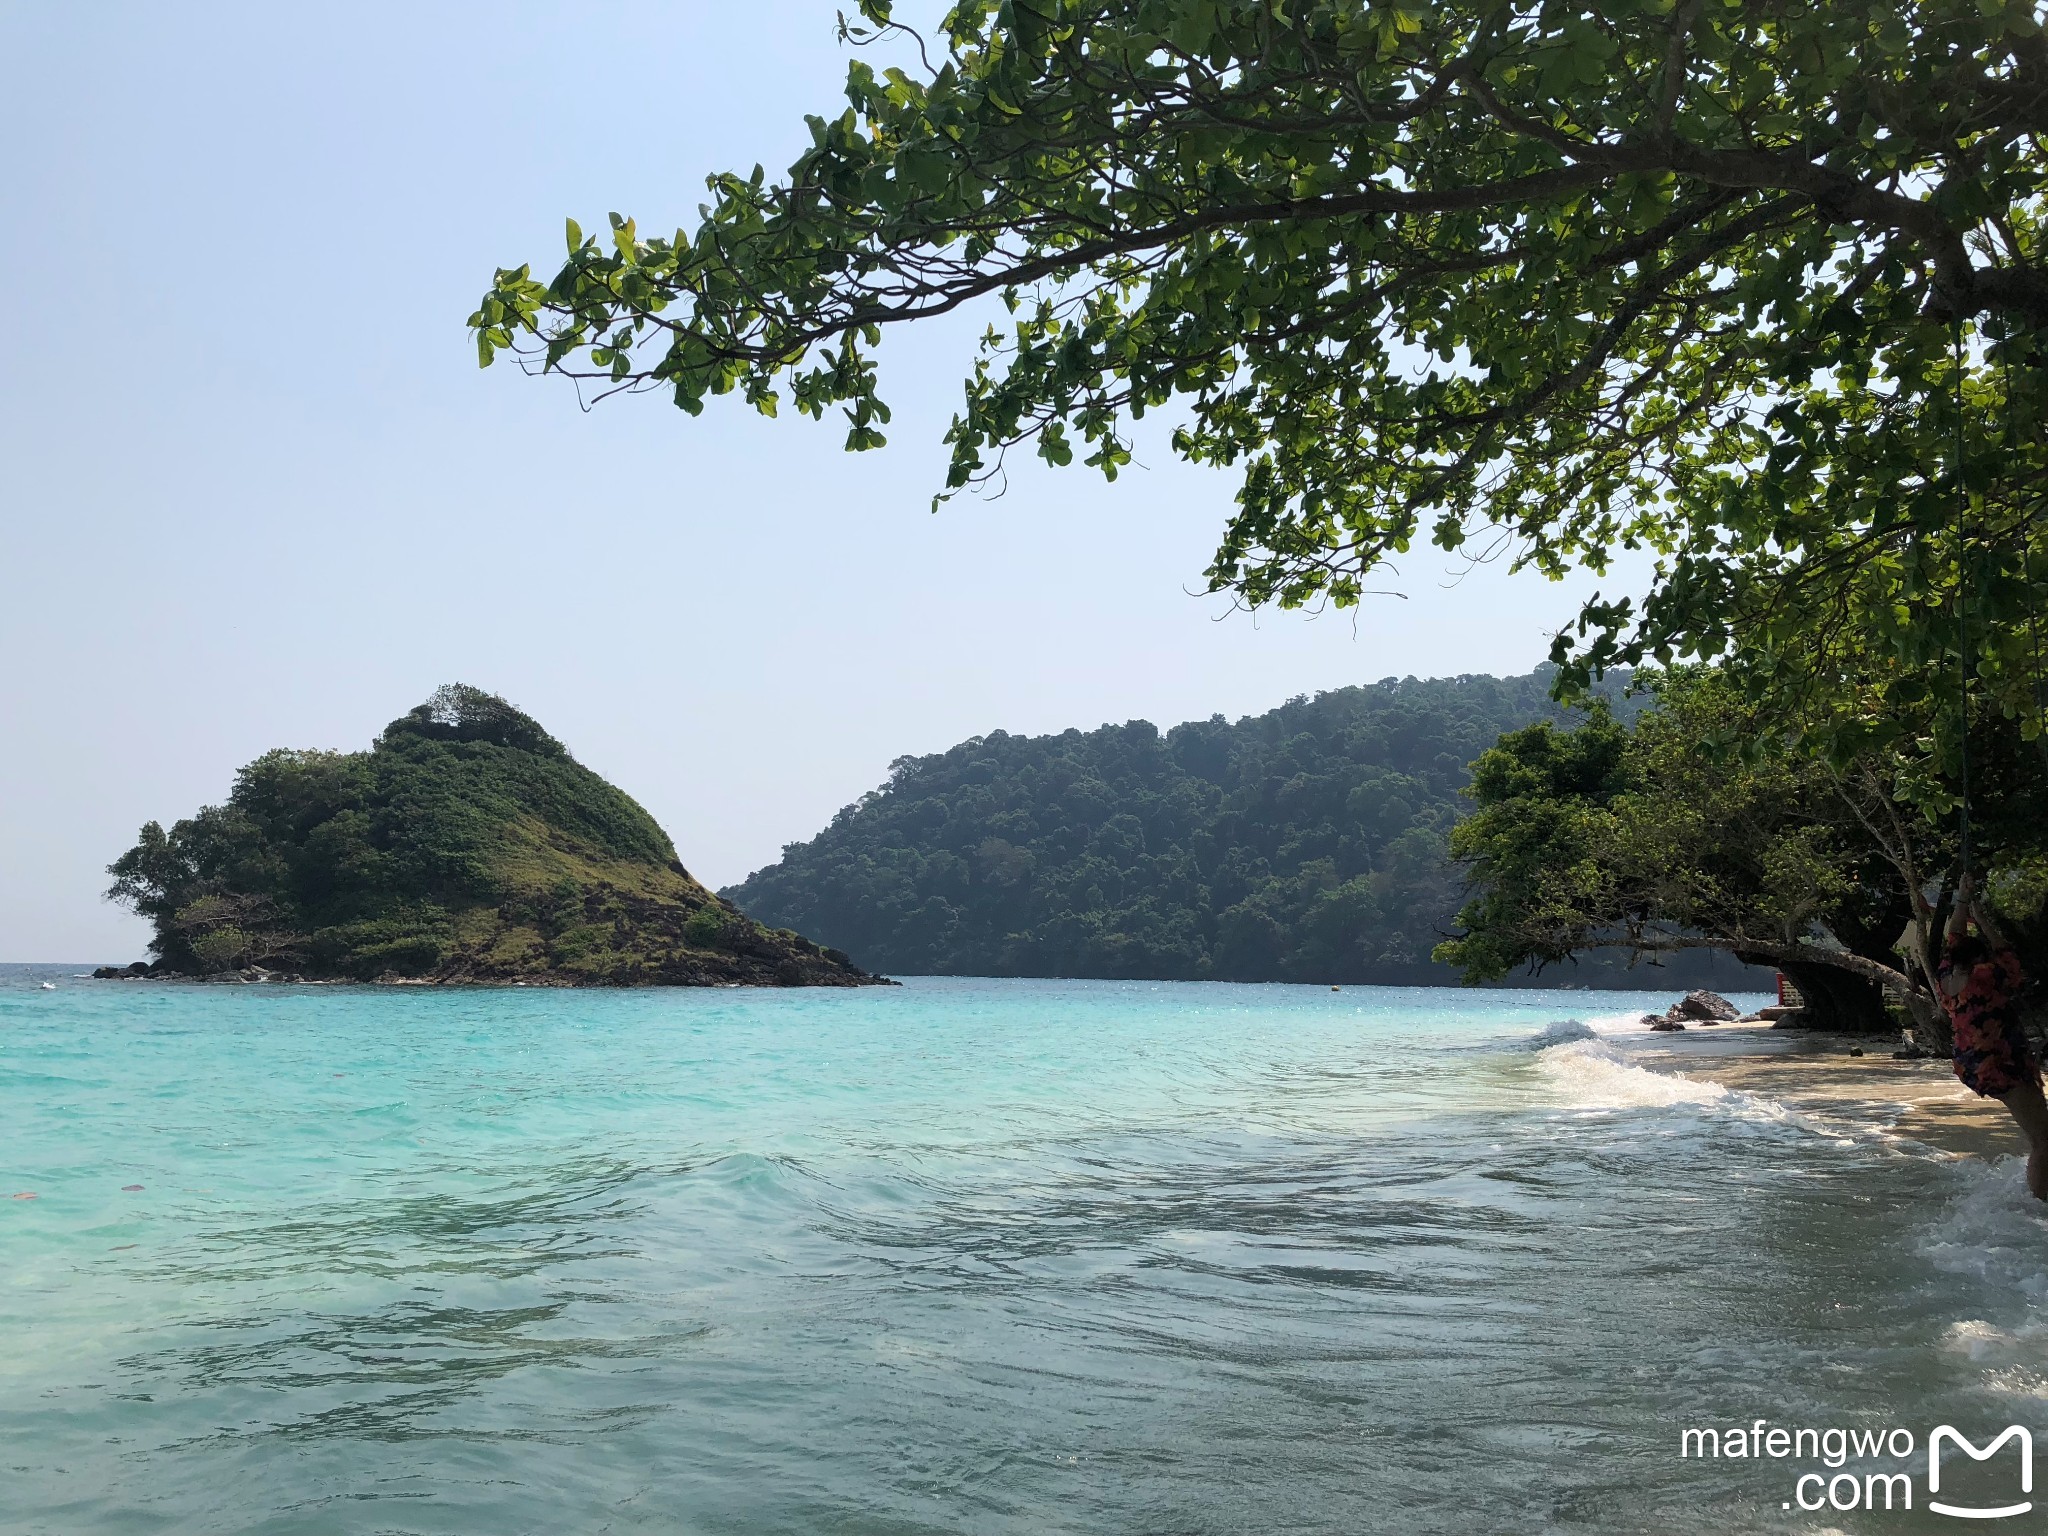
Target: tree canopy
[[1755, 285], [1305, 844], [1699, 826]]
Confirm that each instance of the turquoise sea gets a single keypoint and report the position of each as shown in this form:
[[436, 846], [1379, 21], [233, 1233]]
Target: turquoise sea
[[960, 1256]]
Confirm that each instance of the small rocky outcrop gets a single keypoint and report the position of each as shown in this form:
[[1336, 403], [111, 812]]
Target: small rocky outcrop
[[1703, 1007]]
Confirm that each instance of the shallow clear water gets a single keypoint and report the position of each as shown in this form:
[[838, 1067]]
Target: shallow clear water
[[960, 1256]]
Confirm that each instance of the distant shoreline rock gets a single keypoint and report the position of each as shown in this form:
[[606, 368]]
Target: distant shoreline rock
[[142, 970], [1695, 1007]]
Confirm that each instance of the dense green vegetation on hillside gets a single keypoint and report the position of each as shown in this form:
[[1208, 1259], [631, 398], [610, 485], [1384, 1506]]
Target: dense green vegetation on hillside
[[466, 845], [1305, 844]]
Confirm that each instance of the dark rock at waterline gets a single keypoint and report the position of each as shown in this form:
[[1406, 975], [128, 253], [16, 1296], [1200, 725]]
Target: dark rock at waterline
[[1705, 1008], [120, 972], [1663, 1026]]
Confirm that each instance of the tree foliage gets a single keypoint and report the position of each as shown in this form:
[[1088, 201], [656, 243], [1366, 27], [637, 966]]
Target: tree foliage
[[1701, 825], [1306, 844], [1755, 285]]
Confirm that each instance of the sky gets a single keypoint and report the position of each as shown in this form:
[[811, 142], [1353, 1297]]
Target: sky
[[257, 493]]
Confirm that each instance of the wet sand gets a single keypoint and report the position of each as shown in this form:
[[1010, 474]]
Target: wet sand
[[1814, 1073]]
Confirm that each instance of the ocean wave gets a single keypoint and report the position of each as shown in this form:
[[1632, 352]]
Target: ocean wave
[[1596, 1076], [1563, 1032], [1992, 1231], [1589, 1073], [1601, 1026], [1619, 1023], [1989, 1242]]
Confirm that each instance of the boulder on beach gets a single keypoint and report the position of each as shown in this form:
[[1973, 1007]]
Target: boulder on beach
[[1663, 1026], [1705, 1007]]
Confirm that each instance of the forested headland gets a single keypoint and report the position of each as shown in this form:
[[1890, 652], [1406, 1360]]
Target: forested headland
[[466, 845], [1310, 843]]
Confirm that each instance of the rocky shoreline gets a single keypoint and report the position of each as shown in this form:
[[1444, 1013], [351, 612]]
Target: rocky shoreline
[[838, 972], [1702, 1007]]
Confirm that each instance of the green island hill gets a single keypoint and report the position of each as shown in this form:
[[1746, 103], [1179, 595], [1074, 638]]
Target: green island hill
[[1309, 844], [466, 846]]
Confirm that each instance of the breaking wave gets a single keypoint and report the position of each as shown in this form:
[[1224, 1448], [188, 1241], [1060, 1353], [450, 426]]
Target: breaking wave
[[1590, 1073]]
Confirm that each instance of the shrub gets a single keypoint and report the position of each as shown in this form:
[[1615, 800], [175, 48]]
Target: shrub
[[705, 927]]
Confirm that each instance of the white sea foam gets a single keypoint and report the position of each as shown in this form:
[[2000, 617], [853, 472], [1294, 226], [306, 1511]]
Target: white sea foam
[[1593, 1072], [1993, 1231], [1976, 1338], [1590, 1073], [1618, 1024], [1991, 1241], [1563, 1032]]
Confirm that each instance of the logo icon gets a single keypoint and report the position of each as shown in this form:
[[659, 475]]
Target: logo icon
[[2012, 1432]]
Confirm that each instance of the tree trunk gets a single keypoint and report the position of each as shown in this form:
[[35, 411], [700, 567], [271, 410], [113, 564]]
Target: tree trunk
[[1837, 1000], [1932, 1030]]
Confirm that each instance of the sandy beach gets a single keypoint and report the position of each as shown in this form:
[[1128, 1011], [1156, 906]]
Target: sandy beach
[[1814, 1073]]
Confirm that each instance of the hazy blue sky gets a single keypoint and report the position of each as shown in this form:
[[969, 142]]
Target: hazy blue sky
[[258, 493]]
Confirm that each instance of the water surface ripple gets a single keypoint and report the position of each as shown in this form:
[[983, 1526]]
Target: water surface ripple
[[998, 1257]]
